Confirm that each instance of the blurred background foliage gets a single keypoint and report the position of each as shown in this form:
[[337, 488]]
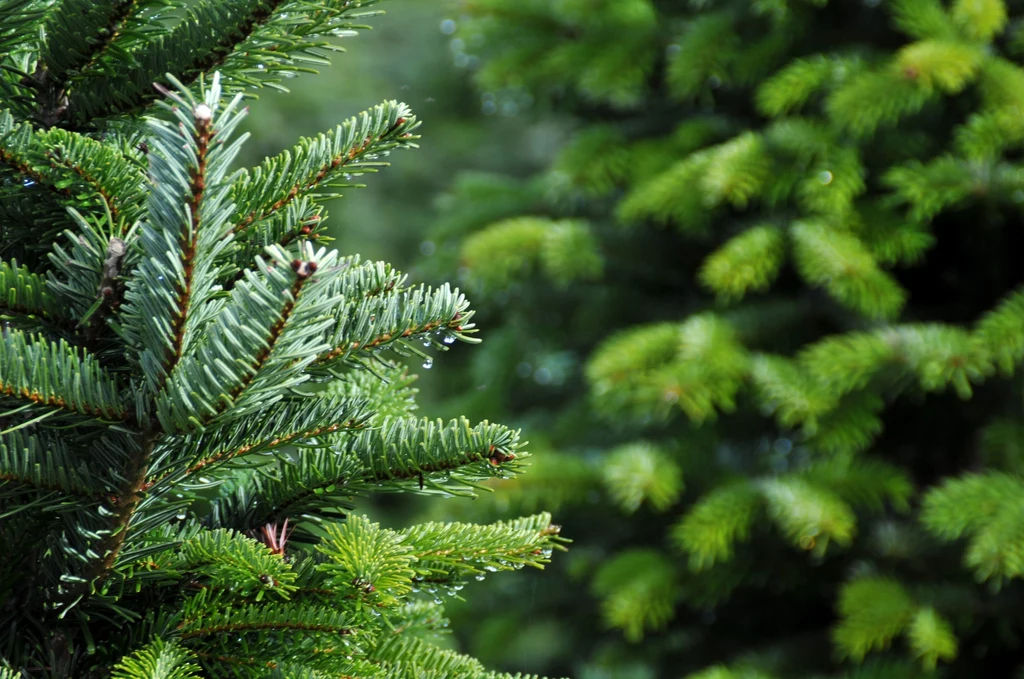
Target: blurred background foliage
[[745, 271]]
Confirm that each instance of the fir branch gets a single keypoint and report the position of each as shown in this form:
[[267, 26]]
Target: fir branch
[[186, 217], [406, 657], [873, 610], [78, 31], [20, 22], [286, 421], [932, 638], [708, 533], [235, 627], [239, 567], [301, 219], [985, 509], [796, 396], [706, 49], [257, 15], [57, 375], [401, 454], [315, 432], [841, 264], [230, 660], [231, 24], [388, 386], [315, 162], [197, 185], [390, 319], [189, 376], [282, 617], [252, 365], [17, 143], [366, 562], [640, 472], [405, 449], [790, 88], [1001, 332], [453, 551], [873, 99], [638, 588], [923, 20], [158, 660], [565, 250], [234, 36], [108, 198], [32, 462], [108, 173], [697, 366], [748, 262], [115, 25], [24, 292]]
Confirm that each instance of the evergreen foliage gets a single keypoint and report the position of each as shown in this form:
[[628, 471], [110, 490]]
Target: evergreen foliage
[[195, 392], [807, 311]]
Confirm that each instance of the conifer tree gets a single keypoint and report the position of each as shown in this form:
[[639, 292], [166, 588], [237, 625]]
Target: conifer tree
[[763, 315], [196, 393]]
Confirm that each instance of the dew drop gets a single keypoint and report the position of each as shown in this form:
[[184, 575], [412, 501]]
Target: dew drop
[[449, 339], [825, 177], [428, 364]]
